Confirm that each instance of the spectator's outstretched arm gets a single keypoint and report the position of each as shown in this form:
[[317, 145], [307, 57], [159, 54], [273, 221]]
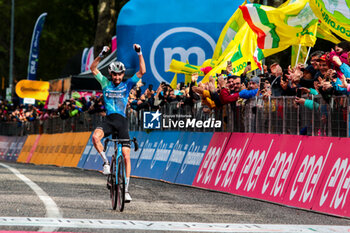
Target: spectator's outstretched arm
[[142, 70], [344, 68], [97, 60], [247, 94], [226, 97], [307, 103]]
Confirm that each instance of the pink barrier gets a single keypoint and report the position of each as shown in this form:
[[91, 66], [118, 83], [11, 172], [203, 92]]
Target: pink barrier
[[210, 160], [249, 177], [276, 175], [333, 196], [307, 176], [305, 172], [225, 168]]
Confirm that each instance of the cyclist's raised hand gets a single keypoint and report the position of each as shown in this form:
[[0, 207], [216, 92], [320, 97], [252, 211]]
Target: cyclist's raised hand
[[137, 48], [104, 51]]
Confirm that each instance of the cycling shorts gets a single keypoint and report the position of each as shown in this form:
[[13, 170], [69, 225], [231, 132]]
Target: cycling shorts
[[116, 124]]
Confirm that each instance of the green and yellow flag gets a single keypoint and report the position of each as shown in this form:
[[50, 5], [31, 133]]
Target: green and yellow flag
[[229, 32], [324, 33], [334, 14], [173, 83]]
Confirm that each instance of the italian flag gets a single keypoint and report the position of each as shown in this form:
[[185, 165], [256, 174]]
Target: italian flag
[[259, 22], [258, 56]]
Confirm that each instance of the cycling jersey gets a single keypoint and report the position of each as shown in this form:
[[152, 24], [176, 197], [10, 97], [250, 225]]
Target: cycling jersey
[[116, 97]]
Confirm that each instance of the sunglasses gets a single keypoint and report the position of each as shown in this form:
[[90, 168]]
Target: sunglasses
[[115, 73]]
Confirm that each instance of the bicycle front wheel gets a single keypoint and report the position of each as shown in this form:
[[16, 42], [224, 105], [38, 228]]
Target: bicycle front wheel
[[113, 189], [121, 184]]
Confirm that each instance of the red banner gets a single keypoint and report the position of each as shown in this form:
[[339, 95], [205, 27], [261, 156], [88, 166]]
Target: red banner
[[249, 177], [309, 171], [333, 195], [279, 168], [230, 158], [210, 160]]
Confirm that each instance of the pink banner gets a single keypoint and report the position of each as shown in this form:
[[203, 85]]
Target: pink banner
[[279, 167], [333, 193], [210, 160], [249, 177], [307, 176], [226, 169]]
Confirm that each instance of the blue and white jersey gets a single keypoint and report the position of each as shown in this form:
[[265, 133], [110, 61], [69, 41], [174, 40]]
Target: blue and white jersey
[[116, 97]]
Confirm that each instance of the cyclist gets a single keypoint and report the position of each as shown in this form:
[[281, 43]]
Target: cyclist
[[115, 94]]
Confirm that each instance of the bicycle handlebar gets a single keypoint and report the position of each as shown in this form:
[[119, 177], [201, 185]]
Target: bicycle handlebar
[[118, 141]]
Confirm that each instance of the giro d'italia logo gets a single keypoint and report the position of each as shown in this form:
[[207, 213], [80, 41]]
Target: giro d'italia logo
[[151, 120], [163, 49]]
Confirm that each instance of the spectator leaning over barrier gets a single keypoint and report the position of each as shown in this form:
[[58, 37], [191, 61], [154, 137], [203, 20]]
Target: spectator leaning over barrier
[[116, 93], [230, 93], [253, 89]]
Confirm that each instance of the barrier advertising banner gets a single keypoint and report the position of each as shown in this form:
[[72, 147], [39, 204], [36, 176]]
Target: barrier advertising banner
[[17, 148], [197, 153], [211, 159], [144, 162], [92, 159], [3, 147], [49, 148], [79, 149], [162, 154], [307, 177], [226, 169], [249, 171], [86, 152], [57, 146], [193, 158], [33, 148], [141, 137], [279, 167], [22, 157], [12, 141], [333, 194], [177, 156]]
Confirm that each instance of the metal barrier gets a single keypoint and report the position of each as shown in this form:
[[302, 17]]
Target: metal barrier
[[276, 115]]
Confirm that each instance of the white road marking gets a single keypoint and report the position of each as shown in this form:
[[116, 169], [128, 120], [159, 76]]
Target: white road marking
[[52, 211], [166, 226]]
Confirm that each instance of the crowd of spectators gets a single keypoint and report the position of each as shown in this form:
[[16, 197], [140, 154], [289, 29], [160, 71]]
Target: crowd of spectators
[[22, 113], [327, 75]]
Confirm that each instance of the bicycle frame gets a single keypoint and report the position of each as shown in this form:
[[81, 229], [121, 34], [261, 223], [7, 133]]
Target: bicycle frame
[[118, 153], [116, 179]]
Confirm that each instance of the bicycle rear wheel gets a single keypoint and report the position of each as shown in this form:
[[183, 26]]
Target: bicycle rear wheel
[[113, 189], [121, 184]]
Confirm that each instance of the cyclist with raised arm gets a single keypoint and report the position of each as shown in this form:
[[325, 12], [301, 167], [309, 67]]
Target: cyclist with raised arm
[[115, 94]]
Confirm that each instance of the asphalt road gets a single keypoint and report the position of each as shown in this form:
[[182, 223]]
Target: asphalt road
[[82, 194]]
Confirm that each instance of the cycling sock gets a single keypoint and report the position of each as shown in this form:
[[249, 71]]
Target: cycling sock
[[127, 183], [104, 158]]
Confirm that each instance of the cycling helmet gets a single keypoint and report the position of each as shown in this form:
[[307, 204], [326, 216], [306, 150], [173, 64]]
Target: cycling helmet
[[117, 67]]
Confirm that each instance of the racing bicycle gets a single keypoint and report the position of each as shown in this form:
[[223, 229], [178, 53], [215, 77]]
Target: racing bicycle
[[116, 180]]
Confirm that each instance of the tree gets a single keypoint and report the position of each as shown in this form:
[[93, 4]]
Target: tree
[[108, 11]]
